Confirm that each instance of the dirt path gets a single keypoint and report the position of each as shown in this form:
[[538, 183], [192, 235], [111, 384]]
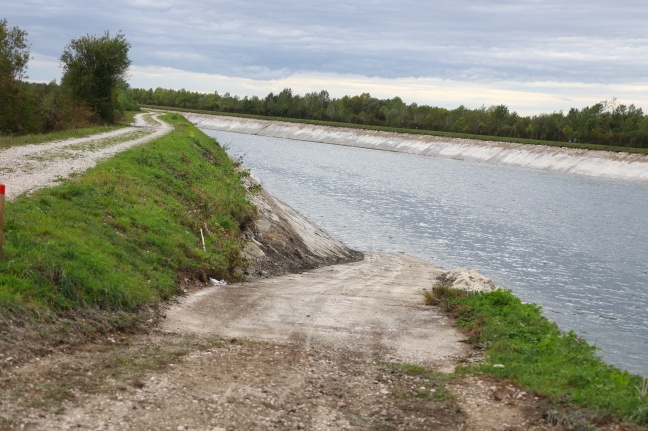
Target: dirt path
[[337, 348], [31, 167], [372, 307]]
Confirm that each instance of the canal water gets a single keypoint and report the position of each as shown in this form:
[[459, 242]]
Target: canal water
[[576, 245]]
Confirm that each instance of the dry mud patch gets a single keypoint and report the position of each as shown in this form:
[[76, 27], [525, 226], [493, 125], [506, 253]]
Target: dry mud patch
[[165, 382], [330, 352]]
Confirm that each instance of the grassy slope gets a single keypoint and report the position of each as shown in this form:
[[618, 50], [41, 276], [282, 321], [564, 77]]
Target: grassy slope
[[583, 146], [533, 352], [122, 234]]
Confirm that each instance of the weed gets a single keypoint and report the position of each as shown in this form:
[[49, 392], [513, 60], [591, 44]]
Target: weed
[[541, 358], [430, 385], [444, 296]]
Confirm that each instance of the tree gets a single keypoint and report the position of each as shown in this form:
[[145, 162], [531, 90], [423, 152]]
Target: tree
[[14, 101], [14, 52], [94, 68]]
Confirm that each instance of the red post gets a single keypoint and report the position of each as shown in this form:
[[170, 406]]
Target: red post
[[2, 205]]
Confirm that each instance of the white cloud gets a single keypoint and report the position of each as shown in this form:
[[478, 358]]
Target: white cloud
[[525, 98], [489, 46]]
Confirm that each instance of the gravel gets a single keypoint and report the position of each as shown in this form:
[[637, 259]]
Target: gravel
[[27, 168]]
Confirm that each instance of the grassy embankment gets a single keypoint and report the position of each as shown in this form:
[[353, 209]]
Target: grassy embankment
[[15, 141], [522, 345], [583, 146], [125, 233]]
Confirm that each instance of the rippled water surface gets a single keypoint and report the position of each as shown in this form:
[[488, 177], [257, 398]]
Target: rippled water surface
[[578, 246]]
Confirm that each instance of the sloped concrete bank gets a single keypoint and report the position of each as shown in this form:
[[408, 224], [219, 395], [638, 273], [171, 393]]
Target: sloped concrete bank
[[605, 164]]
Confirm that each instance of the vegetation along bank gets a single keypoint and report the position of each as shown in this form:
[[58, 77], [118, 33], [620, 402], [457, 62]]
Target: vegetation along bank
[[124, 235]]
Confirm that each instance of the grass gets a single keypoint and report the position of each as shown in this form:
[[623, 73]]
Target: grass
[[127, 232], [559, 144], [522, 345], [7, 141]]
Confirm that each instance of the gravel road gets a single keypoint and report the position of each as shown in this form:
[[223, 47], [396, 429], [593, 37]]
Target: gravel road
[[31, 167]]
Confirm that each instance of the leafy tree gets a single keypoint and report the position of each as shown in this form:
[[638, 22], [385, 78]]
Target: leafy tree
[[14, 52], [15, 112], [94, 69]]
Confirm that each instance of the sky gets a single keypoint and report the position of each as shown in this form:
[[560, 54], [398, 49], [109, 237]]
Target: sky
[[535, 56]]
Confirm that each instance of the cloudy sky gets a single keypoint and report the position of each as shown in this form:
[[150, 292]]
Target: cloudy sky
[[532, 55]]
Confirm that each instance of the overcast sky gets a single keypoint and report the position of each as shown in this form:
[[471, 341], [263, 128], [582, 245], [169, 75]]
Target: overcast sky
[[532, 55]]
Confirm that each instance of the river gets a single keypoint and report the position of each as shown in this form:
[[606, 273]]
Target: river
[[576, 245]]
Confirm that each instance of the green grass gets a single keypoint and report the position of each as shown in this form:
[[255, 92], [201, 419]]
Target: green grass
[[125, 233], [559, 144], [15, 141], [539, 357]]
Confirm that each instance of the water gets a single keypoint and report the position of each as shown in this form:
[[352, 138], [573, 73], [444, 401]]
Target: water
[[576, 245]]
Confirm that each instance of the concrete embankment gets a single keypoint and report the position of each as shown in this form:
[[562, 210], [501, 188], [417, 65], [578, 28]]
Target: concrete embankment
[[605, 164]]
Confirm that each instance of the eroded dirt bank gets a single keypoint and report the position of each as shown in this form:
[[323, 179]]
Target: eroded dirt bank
[[582, 162]]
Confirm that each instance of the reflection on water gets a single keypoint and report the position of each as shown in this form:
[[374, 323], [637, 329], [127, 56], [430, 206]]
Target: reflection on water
[[575, 245]]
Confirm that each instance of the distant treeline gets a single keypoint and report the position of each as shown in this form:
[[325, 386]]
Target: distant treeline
[[605, 123]]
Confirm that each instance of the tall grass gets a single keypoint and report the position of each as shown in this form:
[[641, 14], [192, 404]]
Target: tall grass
[[127, 231], [538, 356]]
